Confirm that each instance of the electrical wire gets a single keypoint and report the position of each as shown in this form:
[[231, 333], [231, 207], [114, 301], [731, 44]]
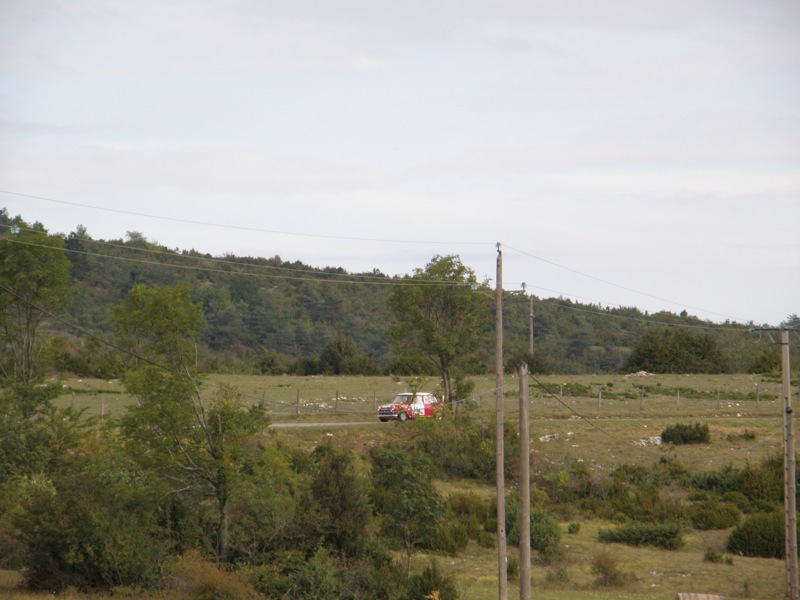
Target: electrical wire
[[296, 407], [611, 283], [384, 281], [373, 240], [245, 228], [406, 281], [354, 278]]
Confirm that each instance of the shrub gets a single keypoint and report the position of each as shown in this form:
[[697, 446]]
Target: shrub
[[606, 568], [746, 435], [471, 511], [512, 567], [193, 577], [761, 535], [668, 536], [686, 434], [573, 528], [714, 515], [557, 574], [713, 555], [432, 581], [545, 532]]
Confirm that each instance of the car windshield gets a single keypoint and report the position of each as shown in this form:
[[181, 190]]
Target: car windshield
[[401, 399]]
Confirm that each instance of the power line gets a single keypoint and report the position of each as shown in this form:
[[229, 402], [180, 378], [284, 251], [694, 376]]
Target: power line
[[246, 228], [362, 278], [611, 283], [359, 239], [386, 281], [380, 281]]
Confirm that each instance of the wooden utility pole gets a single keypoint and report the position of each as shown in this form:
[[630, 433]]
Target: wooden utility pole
[[789, 469], [524, 487], [790, 492], [502, 574]]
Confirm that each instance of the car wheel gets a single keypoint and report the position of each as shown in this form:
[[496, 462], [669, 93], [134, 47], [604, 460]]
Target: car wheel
[[403, 417], [383, 419]]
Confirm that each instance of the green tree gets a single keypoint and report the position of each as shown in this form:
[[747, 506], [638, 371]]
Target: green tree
[[342, 498], [404, 496], [676, 351], [34, 280], [95, 527], [769, 361], [340, 357], [438, 316], [33, 431], [195, 442]]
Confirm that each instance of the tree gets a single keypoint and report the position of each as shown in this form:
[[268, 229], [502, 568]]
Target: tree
[[342, 499], [195, 443], [405, 497], [676, 351], [34, 280], [438, 316], [340, 357], [34, 432]]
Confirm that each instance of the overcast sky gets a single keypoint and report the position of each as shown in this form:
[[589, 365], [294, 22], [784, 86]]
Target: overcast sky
[[629, 152]]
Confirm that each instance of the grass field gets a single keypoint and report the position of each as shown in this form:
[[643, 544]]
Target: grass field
[[744, 414]]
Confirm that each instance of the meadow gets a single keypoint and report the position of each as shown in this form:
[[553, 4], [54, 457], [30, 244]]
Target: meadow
[[602, 421]]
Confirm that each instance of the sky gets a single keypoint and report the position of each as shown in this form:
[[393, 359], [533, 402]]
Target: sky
[[625, 153]]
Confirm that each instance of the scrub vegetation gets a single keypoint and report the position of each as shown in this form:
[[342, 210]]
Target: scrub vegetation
[[203, 434]]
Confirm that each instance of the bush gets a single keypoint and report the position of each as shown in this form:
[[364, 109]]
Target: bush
[[545, 532], [761, 535], [668, 536], [193, 577], [573, 528], [712, 555], [512, 567], [432, 581], [606, 569], [471, 512], [557, 574], [714, 515], [686, 434]]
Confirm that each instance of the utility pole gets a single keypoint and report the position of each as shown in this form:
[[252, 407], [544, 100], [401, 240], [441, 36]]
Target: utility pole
[[524, 487], [790, 497], [789, 469], [502, 574]]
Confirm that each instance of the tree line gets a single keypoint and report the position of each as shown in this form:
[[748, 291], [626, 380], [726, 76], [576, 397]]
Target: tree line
[[271, 316]]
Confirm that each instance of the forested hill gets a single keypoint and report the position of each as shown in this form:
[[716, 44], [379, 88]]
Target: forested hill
[[271, 315]]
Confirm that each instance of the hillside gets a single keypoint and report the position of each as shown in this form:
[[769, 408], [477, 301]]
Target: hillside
[[270, 314]]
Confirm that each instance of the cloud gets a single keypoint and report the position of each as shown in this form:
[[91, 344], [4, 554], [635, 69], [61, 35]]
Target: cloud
[[125, 38]]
